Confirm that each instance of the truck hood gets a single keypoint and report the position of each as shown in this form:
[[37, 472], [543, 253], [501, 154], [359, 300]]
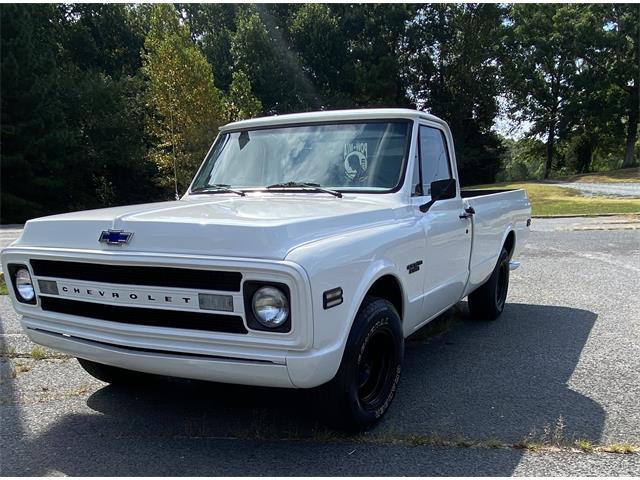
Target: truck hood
[[255, 226]]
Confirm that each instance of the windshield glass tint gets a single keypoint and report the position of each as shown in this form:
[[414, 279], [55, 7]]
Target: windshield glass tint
[[362, 156]]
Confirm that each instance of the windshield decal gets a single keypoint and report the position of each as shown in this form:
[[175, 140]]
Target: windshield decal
[[355, 160]]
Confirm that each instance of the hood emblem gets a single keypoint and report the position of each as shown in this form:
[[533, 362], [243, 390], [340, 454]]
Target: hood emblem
[[115, 237]]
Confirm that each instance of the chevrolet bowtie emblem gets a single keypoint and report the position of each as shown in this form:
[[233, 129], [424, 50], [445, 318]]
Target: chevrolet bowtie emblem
[[115, 237]]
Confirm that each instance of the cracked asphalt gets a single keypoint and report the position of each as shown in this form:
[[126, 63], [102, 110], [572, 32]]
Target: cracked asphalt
[[561, 364]]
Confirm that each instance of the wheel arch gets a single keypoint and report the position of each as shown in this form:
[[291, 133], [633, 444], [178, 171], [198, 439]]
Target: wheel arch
[[387, 287], [509, 241]]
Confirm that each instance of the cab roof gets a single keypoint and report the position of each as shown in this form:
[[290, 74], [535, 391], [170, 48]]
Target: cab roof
[[331, 115]]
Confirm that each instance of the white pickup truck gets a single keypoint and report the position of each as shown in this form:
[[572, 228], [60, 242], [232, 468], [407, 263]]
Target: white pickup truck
[[308, 247]]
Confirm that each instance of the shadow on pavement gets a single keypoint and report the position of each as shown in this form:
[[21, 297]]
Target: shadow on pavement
[[505, 379]]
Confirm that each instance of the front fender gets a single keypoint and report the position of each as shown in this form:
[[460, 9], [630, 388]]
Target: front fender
[[353, 262]]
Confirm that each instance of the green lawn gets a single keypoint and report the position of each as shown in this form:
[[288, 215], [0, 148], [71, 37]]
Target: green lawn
[[548, 199], [3, 287]]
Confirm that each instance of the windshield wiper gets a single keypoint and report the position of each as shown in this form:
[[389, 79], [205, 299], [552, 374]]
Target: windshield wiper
[[218, 188], [314, 186]]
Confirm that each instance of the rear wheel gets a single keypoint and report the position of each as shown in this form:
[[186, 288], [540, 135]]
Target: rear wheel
[[113, 375], [366, 382], [487, 302]]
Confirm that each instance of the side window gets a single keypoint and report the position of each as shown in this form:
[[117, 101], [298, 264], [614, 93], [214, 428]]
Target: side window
[[434, 158]]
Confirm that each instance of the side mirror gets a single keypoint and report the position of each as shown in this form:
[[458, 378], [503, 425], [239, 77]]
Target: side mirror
[[440, 190]]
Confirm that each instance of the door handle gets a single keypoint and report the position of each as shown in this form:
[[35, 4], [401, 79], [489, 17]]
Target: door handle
[[468, 212]]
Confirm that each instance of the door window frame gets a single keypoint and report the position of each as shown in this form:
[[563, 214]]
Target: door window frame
[[419, 151]]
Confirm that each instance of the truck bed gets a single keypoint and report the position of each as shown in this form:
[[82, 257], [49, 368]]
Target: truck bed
[[496, 211], [468, 193]]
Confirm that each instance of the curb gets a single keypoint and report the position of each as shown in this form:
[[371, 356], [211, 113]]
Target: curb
[[589, 215]]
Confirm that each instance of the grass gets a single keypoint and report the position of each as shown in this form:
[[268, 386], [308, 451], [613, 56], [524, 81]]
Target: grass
[[625, 448], [3, 287], [548, 199], [9, 352], [585, 445], [38, 353], [532, 446], [494, 443], [552, 439]]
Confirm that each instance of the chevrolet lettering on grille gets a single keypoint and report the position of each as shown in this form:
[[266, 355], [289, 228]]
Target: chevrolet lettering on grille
[[144, 296]]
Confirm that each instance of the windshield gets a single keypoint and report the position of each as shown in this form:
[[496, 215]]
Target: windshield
[[354, 156]]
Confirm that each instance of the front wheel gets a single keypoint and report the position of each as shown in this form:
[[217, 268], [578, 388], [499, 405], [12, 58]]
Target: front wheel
[[366, 382], [487, 302]]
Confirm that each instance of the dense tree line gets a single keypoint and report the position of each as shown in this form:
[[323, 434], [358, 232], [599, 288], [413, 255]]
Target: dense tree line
[[113, 104]]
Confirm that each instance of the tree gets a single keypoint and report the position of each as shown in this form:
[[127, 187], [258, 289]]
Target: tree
[[187, 108], [621, 62], [212, 26], [33, 129], [523, 160], [372, 35], [72, 115], [541, 61], [260, 49], [324, 55], [240, 103], [101, 37], [450, 66], [103, 103]]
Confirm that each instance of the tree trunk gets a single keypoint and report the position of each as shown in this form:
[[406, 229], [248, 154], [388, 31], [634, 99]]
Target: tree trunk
[[632, 125], [550, 140], [589, 157]]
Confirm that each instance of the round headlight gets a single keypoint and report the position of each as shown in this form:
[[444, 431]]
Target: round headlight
[[24, 284], [270, 307]]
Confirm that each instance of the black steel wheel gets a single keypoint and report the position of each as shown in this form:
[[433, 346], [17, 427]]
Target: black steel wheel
[[366, 382], [502, 284], [487, 302]]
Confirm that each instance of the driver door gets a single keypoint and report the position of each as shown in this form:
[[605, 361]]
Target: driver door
[[448, 237]]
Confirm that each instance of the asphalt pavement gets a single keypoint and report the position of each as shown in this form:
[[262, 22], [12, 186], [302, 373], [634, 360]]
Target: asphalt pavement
[[561, 364], [8, 235], [630, 190]]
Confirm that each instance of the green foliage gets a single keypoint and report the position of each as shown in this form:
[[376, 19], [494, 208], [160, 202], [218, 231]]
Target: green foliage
[[450, 65], [212, 26], [98, 100], [187, 108], [259, 49], [240, 103], [316, 34], [572, 72], [540, 65], [373, 33], [101, 37], [523, 160], [318, 56], [33, 126], [71, 130], [614, 77]]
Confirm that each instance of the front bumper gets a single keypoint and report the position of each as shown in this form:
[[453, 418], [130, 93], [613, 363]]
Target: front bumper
[[207, 367]]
